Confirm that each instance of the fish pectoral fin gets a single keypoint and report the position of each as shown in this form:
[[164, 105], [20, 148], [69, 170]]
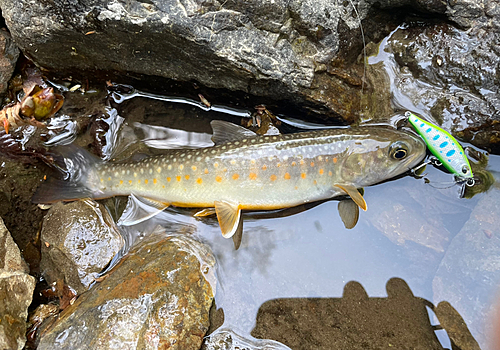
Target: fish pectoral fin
[[229, 217], [349, 213], [140, 209], [354, 194], [205, 212], [225, 132]]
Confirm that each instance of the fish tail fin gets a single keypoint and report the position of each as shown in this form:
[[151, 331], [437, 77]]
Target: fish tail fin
[[76, 166]]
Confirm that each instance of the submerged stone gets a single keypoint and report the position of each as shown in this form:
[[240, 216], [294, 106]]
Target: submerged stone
[[78, 240], [16, 292], [157, 297], [469, 274]]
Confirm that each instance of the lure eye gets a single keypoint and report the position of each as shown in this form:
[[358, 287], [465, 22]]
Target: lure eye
[[465, 170], [398, 151]]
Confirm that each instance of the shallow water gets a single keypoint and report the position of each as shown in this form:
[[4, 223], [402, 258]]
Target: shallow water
[[307, 253], [416, 231]]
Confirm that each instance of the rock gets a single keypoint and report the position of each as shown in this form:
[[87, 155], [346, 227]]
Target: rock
[[8, 59], [78, 240], [455, 327], [16, 293], [469, 273], [157, 297], [302, 51], [227, 339], [451, 75]]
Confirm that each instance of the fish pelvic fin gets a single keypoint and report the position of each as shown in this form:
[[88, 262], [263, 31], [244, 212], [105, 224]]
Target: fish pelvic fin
[[75, 166], [355, 195], [229, 217]]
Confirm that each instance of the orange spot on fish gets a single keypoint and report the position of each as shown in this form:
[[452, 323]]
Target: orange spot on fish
[[312, 163], [315, 182], [264, 167], [121, 182], [169, 179], [146, 181], [163, 186], [130, 182], [218, 179], [186, 177], [154, 181], [330, 173], [273, 177], [102, 180], [199, 181], [287, 176], [296, 187], [138, 181], [206, 171], [321, 171], [294, 163], [252, 161], [216, 165], [178, 178], [278, 165], [335, 160], [252, 176], [194, 168], [302, 162], [236, 176], [303, 175], [109, 178]]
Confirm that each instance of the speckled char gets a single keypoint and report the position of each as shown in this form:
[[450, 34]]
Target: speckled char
[[267, 172]]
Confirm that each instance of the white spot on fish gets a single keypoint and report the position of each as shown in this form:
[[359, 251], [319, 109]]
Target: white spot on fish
[[198, 159], [150, 171], [169, 167], [158, 170], [189, 156]]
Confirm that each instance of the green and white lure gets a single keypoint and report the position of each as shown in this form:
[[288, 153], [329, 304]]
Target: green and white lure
[[444, 147]]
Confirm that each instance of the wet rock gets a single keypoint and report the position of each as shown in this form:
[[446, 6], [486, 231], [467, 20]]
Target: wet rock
[[227, 339], [302, 51], [455, 327], [453, 76], [16, 292], [78, 240], [8, 59], [157, 297], [469, 273]]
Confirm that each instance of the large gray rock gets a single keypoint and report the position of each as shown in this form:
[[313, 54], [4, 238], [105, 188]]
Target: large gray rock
[[16, 292], [78, 240], [8, 59], [157, 297], [306, 52]]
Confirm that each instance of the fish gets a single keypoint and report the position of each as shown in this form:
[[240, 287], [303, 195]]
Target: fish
[[443, 146], [244, 171]]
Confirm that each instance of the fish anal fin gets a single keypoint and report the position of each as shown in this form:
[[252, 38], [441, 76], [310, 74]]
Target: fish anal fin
[[205, 212], [354, 194], [226, 132], [349, 213], [229, 216]]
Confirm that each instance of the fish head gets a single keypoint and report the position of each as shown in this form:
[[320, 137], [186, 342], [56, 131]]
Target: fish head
[[381, 154]]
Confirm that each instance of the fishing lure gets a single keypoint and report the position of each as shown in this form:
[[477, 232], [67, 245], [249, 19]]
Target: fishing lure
[[444, 147]]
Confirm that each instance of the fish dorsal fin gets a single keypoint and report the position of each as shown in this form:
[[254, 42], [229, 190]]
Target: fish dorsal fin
[[354, 194], [229, 216], [140, 209], [349, 213], [225, 132]]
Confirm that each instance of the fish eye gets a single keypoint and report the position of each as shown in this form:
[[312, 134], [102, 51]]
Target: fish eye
[[398, 150], [465, 170]]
